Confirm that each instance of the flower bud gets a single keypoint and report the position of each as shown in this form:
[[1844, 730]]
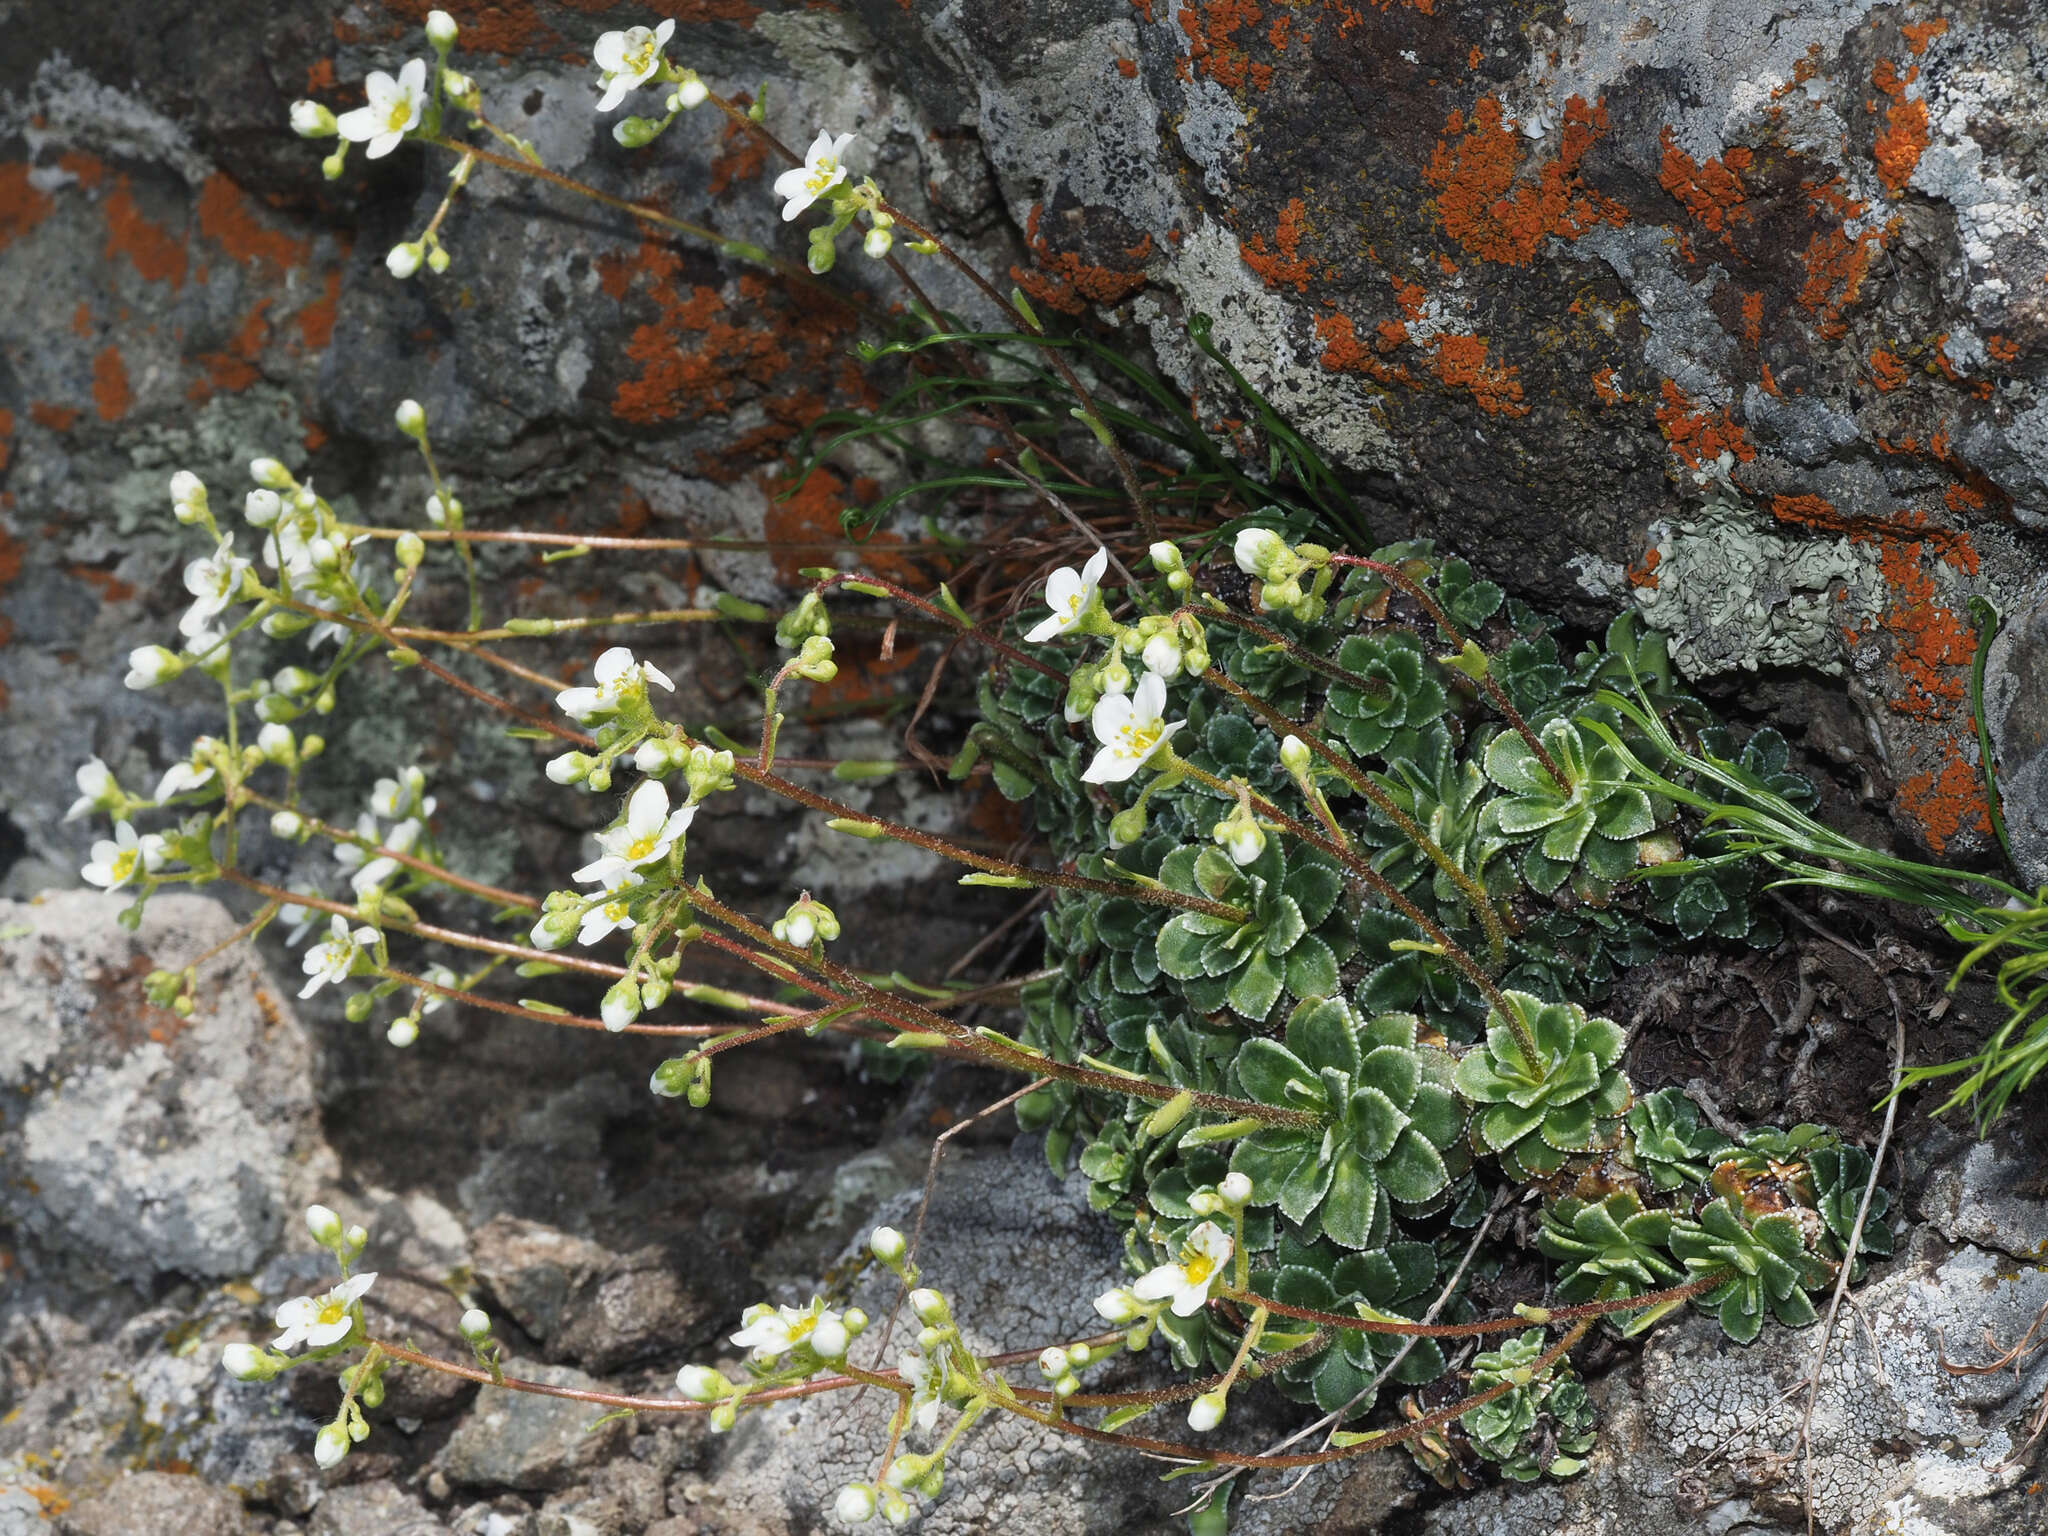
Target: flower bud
[[262, 508], [895, 1508], [411, 418], [324, 1225], [876, 242], [1116, 677], [930, 1340], [270, 474], [637, 132], [691, 94], [1241, 837], [330, 1445], [1053, 1363], [856, 1321], [1118, 1306], [1236, 1190], [287, 825], [1078, 1355], [410, 549], [829, 1339], [888, 1246], [823, 254], [245, 1362], [475, 1325], [1206, 1411], [554, 929], [723, 1417], [621, 1004], [277, 745], [1127, 826], [404, 259], [1166, 557], [461, 88], [701, 1384], [441, 30], [855, 1504], [1294, 756], [1163, 653], [403, 1032], [355, 1240], [1261, 552], [310, 120], [929, 1306], [569, 768], [335, 163], [808, 617], [188, 497]]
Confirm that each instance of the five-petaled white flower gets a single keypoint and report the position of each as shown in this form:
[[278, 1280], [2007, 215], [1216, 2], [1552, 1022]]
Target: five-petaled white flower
[[821, 171], [1202, 1259], [317, 1321], [114, 863], [394, 109], [771, 1331], [96, 789], [1068, 593], [629, 59], [648, 832], [1132, 728], [334, 957], [214, 581], [618, 674]]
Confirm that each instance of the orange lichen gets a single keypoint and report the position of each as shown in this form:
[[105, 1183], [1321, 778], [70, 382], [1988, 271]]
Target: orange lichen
[[1067, 282], [157, 255], [1605, 390], [1343, 352], [1697, 436], [1213, 48], [1919, 34], [1460, 363], [740, 157], [1712, 193], [1836, 262], [109, 586], [22, 206], [111, 395], [225, 218], [58, 418], [316, 320], [2002, 350], [1767, 381], [1283, 264], [1411, 297], [1886, 371], [1899, 144], [1821, 515], [6, 436], [1946, 802], [1489, 212], [1645, 575], [233, 368], [1128, 68], [320, 76], [1753, 319]]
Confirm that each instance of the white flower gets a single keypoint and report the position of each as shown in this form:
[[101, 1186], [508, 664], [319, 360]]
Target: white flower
[[317, 1321], [628, 60], [648, 832], [180, 778], [1132, 728], [96, 789], [114, 863], [618, 674], [771, 1332], [607, 917], [1068, 593], [1202, 1260], [821, 171], [926, 1375], [394, 109], [214, 581], [396, 798], [333, 958]]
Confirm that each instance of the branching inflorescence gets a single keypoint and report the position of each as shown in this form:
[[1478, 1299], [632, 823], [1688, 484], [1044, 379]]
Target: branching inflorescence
[[1337, 851]]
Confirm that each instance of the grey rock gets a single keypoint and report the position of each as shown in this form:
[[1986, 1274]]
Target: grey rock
[[158, 1504], [622, 1498], [2016, 710], [373, 1509], [519, 1440], [588, 1304], [149, 1144]]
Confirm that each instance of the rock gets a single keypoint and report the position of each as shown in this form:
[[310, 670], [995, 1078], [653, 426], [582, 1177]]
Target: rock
[[2016, 710], [149, 1144], [520, 1440], [373, 1509], [158, 1504], [622, 1498], [587, 1303]]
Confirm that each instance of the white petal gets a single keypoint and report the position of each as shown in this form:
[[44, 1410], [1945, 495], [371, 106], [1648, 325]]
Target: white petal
[[612, 664], [609, 52], [355, 126], [1045, 629], [1148, 702], [1163, 1281], [1110, 767], [664, 32], [383, 144], [1062, 587], [412, 80], [1113, 711], [647, 809], [1091, 573]]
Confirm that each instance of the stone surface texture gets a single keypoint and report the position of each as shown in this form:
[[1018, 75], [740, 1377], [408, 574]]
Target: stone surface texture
[[1732, 313]]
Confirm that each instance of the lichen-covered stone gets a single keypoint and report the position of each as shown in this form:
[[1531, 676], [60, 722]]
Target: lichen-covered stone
[[520, 1440]]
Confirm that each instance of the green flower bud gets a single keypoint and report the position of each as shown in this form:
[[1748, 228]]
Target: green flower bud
[[808, 617], [1127, 826], [410, 549], [815, 661], [637, 132]]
